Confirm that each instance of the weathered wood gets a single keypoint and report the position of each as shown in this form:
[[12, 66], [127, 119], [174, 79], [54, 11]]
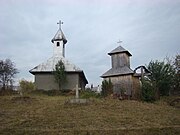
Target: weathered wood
[[121, 75], [124, 83], [120, 60]]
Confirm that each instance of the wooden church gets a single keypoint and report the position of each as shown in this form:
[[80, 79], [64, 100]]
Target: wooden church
[[121, 75], [43, 73]]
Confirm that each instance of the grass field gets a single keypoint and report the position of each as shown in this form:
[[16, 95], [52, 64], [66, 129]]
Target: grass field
[[49, 115]]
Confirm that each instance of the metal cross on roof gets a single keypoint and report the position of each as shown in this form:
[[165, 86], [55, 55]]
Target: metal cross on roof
[[60, 22], [119, 42]]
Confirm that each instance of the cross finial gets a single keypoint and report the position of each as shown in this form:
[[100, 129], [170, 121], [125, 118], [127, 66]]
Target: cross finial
[[119, 42], [60, 22]]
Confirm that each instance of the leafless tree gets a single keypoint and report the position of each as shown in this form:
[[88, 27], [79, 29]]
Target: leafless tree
[[7, 73]]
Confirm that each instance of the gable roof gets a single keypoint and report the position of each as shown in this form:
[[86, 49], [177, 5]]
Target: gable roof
[[117, 72], [119, 49], [146, 72]]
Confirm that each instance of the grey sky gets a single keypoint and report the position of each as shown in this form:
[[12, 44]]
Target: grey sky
[[150, 30]]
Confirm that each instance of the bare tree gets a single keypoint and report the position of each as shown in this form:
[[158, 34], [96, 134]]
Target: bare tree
[[7, 73]]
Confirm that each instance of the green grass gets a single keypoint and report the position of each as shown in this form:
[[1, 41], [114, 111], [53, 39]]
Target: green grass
[[42, 114]]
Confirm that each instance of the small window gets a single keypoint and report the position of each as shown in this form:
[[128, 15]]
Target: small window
[[57, 43]]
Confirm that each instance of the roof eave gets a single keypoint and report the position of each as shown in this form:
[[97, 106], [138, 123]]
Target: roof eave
[[105, 76], [64, 40], [129, 54]]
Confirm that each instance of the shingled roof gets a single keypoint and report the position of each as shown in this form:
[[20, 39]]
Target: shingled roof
[[117, 71], [120, 49]]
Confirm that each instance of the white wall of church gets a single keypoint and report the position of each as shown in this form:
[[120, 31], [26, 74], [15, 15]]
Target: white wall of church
[[58, 48]]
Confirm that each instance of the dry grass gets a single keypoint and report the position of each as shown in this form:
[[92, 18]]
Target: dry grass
[[49, 115]]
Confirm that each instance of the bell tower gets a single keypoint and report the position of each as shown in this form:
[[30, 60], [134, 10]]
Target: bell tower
[[120, 57], [59, 41]]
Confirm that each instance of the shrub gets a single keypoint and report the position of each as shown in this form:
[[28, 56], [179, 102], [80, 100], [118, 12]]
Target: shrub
[[107, 88], [7, 92], [89, 94], [26, 86], [148, 92], [52, 92]]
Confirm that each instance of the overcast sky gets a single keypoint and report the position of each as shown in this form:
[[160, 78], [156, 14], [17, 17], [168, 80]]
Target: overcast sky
[[149, 29]]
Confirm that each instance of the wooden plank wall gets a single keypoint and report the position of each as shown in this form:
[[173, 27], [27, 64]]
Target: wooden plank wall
[[120, 60], [127, 83]]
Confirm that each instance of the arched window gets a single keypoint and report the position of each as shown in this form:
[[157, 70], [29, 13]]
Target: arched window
[[57, 43]]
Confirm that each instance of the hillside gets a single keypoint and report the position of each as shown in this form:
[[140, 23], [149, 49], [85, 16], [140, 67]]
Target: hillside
[[49, 115]]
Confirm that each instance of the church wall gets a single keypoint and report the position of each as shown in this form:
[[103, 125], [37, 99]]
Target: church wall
[[58, 48], [47, 82], [73, 80], [82, 83], [136, 93], [123, 82], [120, 60], [128, 83]]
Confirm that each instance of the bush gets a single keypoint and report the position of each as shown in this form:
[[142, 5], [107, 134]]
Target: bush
[[107, 88], [52, 92], [7, 92], [148, 92], [26, 86], [89, 94]]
